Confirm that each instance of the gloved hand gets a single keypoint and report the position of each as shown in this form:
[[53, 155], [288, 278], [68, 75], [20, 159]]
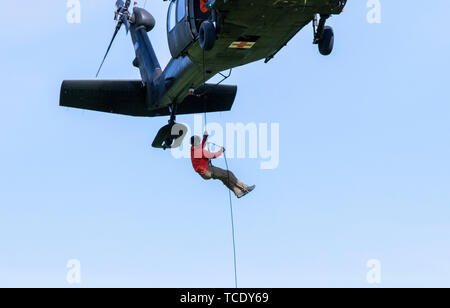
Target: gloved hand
[[205, 135], [223, 149]]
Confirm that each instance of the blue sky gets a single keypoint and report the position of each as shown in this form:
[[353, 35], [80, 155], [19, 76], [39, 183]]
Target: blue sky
[[364, 161]]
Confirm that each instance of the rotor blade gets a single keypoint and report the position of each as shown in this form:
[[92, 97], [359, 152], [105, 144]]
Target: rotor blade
[[109, 47], [126, 23]]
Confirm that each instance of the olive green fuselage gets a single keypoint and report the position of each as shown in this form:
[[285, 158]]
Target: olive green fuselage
[[269, 24]]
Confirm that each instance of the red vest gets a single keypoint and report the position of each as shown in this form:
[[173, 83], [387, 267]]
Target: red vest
[[200, 157]]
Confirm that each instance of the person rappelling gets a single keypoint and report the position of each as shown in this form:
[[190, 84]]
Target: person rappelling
[[201, 161]]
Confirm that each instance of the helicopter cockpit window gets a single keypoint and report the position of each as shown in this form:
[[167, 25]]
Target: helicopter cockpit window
[[181, 10], [171, 18]]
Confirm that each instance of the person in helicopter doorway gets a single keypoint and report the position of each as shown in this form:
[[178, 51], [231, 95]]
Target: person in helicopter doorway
[[201, 161]]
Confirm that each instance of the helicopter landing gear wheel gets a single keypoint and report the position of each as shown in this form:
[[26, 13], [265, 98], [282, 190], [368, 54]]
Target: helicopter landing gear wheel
[[326, 42], [207, 35], [323, 35]]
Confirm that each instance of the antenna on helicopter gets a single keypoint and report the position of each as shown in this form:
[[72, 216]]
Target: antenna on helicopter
[[122, 15]]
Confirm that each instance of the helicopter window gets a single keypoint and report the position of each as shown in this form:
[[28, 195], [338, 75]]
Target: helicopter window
[[181, 10], [171, 19]]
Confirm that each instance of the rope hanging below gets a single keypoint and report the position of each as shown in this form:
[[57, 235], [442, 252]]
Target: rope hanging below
[[228, 174], [232, 224]]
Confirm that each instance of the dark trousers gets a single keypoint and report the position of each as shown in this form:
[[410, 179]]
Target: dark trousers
[[227, 178]]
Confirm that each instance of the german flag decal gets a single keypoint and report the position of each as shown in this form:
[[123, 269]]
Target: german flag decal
[[242, 45]]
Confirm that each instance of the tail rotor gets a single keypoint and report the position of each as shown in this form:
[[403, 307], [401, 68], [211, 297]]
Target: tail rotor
[[122, 15]]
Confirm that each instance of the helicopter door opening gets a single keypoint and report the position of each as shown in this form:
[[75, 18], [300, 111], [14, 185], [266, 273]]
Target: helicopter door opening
[[179, 32], [200, 12]]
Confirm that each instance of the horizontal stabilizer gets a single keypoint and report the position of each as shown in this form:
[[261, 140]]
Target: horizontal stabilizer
[[122, 97], [129, 98]]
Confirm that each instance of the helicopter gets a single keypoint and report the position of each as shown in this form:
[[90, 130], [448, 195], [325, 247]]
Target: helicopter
[[205, 38]]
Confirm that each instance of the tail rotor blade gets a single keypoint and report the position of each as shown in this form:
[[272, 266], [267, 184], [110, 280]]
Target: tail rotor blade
[[122, 15], [109, 47], [127, 25]]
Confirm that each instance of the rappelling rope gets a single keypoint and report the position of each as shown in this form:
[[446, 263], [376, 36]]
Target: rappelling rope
[[232, 219], [228, 175], [204, 84], [232, 223]]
